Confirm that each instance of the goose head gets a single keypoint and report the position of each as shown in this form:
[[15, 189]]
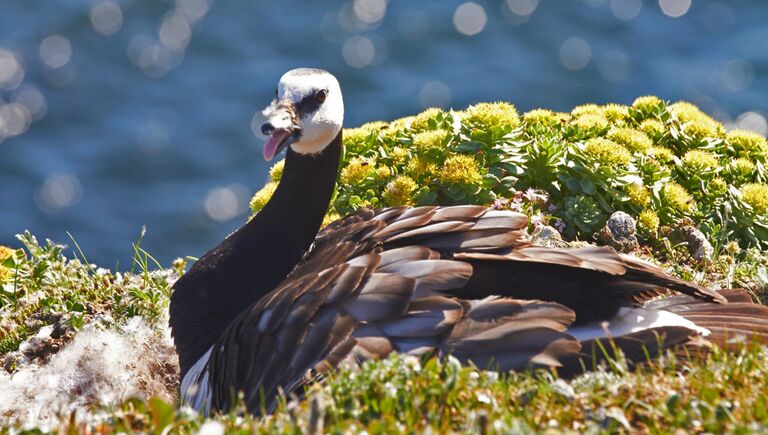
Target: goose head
[[306, 114]]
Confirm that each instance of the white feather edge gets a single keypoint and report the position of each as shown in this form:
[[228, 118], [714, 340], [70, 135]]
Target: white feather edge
[[195, 391], [630, 320]]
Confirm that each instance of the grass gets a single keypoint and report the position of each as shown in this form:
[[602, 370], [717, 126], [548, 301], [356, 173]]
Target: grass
[[555, 167]]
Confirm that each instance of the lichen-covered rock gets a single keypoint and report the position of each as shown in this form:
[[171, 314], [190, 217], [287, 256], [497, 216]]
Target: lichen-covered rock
[[619, 232], [546, 235], [698, 245]]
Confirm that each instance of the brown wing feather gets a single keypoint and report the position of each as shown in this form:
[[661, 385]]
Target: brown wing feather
[[423, 280]]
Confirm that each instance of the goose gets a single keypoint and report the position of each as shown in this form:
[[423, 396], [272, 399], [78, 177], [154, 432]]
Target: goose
[[279, 303]]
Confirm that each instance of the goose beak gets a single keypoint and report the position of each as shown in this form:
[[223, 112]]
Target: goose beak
[[282, 128]]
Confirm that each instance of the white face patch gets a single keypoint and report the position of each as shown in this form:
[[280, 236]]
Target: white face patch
[[321, 125]]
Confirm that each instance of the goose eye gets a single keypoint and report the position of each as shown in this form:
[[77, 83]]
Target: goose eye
[[320, 96]]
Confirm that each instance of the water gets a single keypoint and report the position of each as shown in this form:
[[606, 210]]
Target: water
[[136, 132]]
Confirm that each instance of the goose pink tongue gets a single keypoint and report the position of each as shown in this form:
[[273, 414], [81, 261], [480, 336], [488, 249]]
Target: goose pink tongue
[[273, 143]]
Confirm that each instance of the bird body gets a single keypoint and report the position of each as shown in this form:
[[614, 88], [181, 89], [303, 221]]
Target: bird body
[[278, 304]]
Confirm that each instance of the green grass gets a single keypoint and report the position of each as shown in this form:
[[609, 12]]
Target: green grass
[[560, 168], [722, 393]]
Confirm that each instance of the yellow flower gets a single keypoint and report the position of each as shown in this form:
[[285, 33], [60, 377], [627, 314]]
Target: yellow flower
[[587, 109], [460, 170], [717, 186], [633, 140], [276, 171], [638, 194], [653, 127], [374, 126], [677, 197], [664, 155], [330, 218], [396, 127], [542, 117], [420, 169], [756, 196], [431, 140], [686, 112], [261, 197], [5, 274], [421, 121], [606, 152], [647, 104], [590, 121], [355, 136], [743, 167], [6, 252], [398, 155], [357, 170], [703, 128], [747, 143], [696, 123], [616, 113], [383, 172], [648, 220], [399, 191], [488, 115], [697, 161]]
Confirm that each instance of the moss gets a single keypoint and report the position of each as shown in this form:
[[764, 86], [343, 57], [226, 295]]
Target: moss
[[606, 152], [490, 115], [400, 191], [357, 170], [648, 221], [677, 198], [633, 140], [460, 170], [756, 196], [260, 199], [276, 171]]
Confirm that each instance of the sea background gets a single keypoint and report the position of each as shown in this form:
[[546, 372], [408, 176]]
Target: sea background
[[119, 115]]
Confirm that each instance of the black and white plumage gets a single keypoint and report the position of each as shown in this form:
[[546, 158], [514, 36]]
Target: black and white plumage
[[276, 304]]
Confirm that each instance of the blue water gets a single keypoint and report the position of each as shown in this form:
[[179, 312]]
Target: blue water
[[127, 141]]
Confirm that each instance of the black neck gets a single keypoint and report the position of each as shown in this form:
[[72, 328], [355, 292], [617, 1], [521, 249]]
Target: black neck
[[256, 258]]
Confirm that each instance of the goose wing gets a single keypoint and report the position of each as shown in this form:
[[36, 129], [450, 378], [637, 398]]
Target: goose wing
[[461, 280]]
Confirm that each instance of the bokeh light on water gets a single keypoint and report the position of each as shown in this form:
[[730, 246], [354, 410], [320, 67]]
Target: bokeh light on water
[[120, 113]]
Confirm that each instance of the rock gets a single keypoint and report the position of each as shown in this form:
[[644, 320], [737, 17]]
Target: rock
[[546, 235], [14, 360], [619, 233], [698, 245], [40, 345]]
